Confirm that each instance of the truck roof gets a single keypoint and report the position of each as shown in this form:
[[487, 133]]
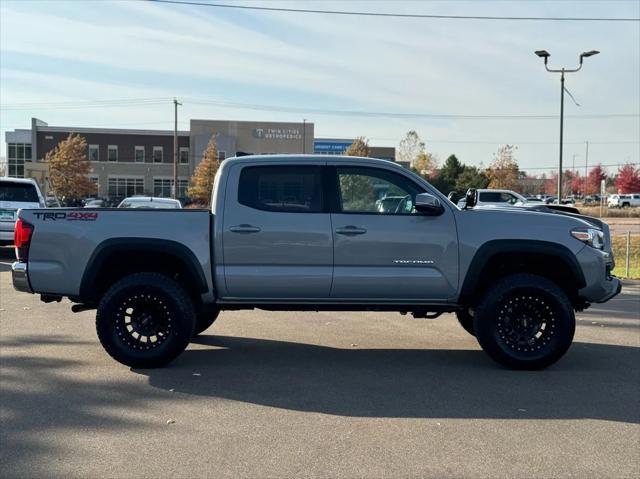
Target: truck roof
[[309, 157], [18, 180]]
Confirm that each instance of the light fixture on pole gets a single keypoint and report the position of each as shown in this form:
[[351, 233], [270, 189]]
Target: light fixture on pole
[[545, 56]]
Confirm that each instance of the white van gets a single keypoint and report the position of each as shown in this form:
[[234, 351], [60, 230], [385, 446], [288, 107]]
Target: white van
[[16, 193]]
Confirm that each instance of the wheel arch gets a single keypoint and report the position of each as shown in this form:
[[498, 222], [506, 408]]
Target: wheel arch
[[498, 258], [117, 257]]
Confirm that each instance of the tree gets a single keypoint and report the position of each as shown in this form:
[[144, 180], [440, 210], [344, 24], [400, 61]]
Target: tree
[[69, 168], [410, 147], [594, 178], [577, 183], [503, 172], [628, 179], [202, 180], [358, 192], [423, 164], [359, 147], [445, 180], [471, 177]]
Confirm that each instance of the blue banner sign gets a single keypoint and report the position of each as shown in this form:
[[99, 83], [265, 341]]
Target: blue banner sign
[[335, 147]]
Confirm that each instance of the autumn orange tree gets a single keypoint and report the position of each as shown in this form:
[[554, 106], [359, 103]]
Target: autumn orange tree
[[503, 172], [204, 175], [69, 168], [359, 147]]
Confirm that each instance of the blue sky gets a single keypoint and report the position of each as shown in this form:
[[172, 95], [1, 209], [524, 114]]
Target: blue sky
[[72, 51]]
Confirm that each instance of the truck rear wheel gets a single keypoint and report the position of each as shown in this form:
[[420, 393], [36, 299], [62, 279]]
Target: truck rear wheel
[[525, 322], [145, 320], [465, 318], [204, 321]]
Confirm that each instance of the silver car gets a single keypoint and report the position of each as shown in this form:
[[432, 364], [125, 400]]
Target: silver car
[[16, 193]]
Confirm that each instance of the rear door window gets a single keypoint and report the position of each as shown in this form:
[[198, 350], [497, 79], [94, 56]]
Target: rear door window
[[18, 192], [286, 189]]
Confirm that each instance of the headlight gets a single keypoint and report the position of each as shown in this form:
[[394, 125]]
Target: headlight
[[591, 236]]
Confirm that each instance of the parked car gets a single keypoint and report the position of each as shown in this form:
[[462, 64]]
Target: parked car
[[52, 202], [16, 193], [591, 200], [95, 203], [304, 233], [623, 201], [390, 204], [150, 202], [497, 198]]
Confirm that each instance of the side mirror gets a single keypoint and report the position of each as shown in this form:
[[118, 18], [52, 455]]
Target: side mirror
[[471, 198], [428, 204]]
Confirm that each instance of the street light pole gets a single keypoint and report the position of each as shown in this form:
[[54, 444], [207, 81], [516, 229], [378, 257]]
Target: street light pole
[[545, 55], [561, 135], [304, 136], [174, 192]]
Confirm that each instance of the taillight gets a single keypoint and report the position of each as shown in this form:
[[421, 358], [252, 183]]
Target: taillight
[[22, 239]]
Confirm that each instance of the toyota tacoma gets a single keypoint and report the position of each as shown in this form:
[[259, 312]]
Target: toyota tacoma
[[307, 233]]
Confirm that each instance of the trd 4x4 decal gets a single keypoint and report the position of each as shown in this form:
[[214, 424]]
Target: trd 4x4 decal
[[67, 216]]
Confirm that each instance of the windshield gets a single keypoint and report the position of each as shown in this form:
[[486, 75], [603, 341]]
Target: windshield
[[18, 192]]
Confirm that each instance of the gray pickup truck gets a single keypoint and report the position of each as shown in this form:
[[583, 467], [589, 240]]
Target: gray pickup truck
[[308, 233]]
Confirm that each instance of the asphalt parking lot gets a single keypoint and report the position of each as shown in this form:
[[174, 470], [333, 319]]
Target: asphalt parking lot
[[265, 394]]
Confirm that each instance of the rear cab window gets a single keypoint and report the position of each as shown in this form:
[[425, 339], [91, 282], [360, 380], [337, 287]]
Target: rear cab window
[[285, 189], [18, 192]]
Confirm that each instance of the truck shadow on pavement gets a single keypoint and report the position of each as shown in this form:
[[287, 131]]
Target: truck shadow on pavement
[[44, 395], [595, 381]]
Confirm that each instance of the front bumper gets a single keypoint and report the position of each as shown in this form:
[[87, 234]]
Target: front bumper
[[600, 285], [20, 277]]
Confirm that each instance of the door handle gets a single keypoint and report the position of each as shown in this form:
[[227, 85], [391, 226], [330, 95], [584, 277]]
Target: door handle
[[244, 229], [351, 230]]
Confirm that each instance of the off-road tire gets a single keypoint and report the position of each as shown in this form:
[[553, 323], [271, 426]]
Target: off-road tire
[[465, 318], [525, 321], [204, 321], [145, 320]]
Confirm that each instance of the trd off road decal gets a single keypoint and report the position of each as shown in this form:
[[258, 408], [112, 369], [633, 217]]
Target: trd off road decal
[[67, 216]]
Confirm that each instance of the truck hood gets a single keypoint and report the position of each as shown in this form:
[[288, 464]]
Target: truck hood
[[549, 209], [553, 212]]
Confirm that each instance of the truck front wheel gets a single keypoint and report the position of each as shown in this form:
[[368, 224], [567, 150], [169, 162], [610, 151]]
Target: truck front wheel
[[465, 318], [525, 322], [204, 321], [145, 320]]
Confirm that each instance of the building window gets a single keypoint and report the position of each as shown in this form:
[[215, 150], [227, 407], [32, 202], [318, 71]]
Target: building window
[[139, 154], [157, 154], [222, 155], [112, 153], [94, 153], [184, 155], [123, 187], [17, 154], [162, 187]]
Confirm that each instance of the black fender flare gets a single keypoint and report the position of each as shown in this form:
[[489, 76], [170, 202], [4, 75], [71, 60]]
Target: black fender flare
[[105, 250], [490, 249]]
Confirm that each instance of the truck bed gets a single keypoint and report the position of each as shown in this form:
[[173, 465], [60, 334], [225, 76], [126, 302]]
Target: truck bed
[[65, 240]]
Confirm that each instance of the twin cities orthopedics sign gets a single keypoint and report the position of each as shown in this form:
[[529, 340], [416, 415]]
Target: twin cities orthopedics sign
[[277, 133]]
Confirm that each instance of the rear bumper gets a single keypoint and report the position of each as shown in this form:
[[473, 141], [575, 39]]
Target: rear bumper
[[6, 234], [20, 277]]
